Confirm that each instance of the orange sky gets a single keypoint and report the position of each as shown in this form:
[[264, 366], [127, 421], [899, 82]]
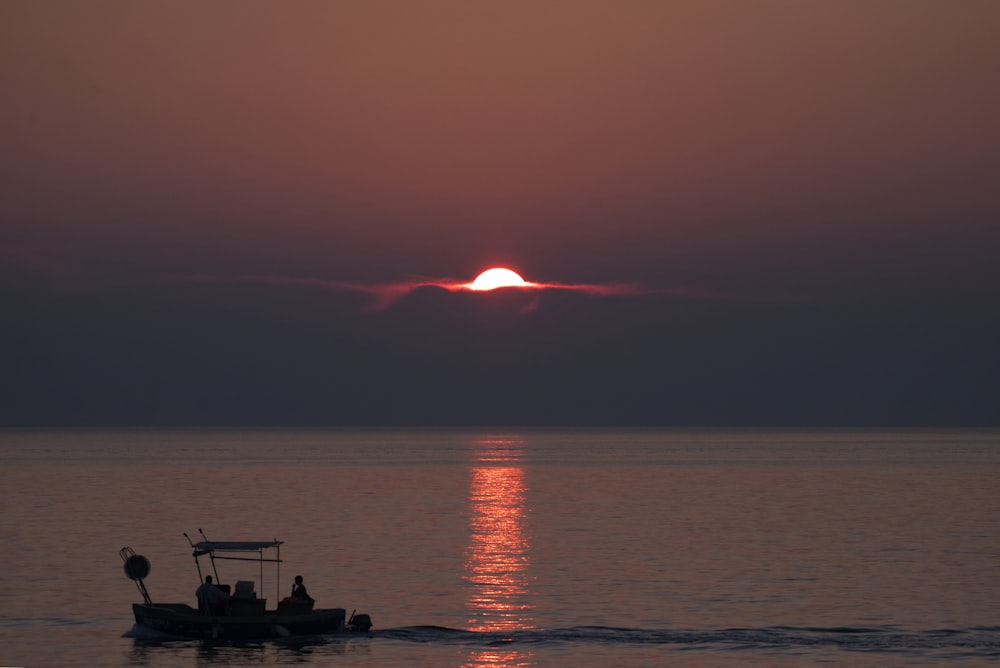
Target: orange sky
[[473, 132]]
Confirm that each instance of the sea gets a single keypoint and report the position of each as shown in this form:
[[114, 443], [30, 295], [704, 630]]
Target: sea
[[512, 548]]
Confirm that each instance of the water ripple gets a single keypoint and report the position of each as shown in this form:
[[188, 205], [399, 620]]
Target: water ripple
[[982, 641]]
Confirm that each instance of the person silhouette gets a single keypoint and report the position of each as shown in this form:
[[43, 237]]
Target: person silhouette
[[299, 590], [211, 599]]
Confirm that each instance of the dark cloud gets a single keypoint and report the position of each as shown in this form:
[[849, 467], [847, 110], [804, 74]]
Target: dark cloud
[[269, 355]]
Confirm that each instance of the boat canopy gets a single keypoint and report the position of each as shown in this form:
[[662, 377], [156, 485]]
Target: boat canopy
[[207, 546]]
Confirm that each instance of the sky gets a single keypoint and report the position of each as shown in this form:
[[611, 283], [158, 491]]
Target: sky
[[254, 213]]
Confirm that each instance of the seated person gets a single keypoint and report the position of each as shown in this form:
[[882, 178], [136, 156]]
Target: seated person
[[299, 590]]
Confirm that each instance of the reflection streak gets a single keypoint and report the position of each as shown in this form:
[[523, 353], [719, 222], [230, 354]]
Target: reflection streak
[[498, 557]]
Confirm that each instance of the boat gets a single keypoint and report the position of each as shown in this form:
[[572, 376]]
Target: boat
[[236, 613]]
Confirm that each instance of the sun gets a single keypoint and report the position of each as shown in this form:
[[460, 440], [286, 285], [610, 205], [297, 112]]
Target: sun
[[498, 277]]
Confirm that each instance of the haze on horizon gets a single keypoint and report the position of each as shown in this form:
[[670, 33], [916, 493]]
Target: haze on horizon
[[807, 190]]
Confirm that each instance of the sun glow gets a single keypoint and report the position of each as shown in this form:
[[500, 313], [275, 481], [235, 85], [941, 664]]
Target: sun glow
[[384, 295], [498, 277]]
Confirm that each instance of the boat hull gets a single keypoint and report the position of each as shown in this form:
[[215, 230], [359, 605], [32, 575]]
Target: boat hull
[[182, 620]]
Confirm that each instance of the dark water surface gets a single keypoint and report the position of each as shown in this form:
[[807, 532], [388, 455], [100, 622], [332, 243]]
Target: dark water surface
[[590, 548]]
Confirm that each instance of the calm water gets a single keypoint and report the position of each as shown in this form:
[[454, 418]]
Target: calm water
[[534, 548]]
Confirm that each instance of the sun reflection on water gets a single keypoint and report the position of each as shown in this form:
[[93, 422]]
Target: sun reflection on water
[[498, 558]]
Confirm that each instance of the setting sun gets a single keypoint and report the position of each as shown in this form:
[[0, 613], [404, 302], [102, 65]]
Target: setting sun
[[498, 277]]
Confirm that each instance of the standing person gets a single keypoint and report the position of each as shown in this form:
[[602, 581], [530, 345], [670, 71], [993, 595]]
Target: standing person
[[299, 590], [211, 599]]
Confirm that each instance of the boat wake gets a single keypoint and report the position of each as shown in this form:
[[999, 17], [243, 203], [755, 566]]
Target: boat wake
[[980, 642], [143, 632]]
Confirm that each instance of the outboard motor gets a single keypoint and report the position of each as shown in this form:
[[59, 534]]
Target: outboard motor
[[136, 568], [360, 623]]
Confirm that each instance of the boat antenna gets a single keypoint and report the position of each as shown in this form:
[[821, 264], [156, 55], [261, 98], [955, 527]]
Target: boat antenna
[[277, 582], [211, 557], [197, 564]]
